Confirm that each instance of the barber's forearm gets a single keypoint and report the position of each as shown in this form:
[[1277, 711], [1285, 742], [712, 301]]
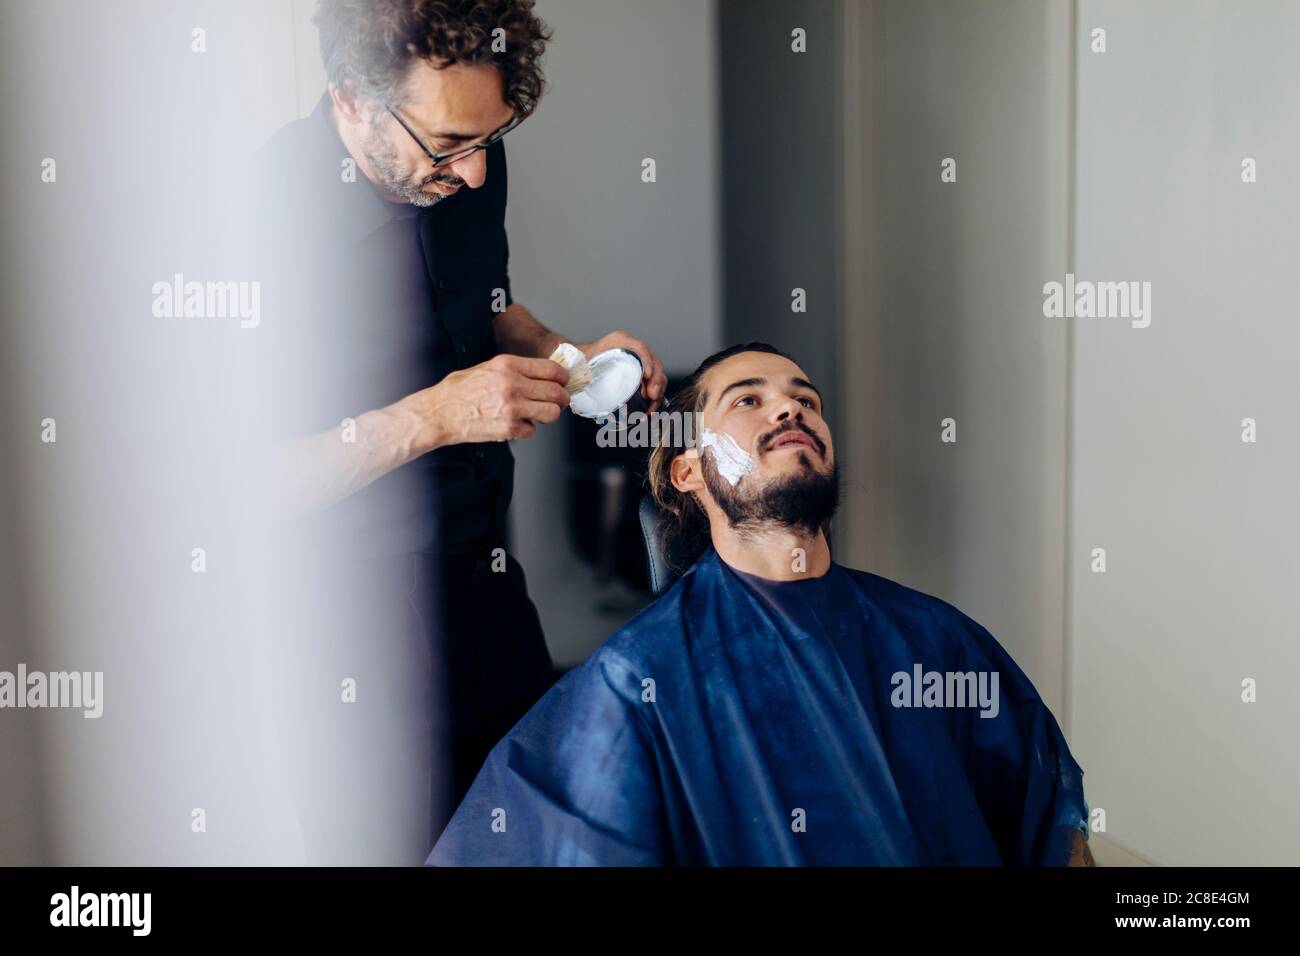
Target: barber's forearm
[[319, 470], [518, 332]]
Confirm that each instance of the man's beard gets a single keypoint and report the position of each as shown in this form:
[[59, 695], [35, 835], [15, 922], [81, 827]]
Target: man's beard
[[800, 501], [383, 160]]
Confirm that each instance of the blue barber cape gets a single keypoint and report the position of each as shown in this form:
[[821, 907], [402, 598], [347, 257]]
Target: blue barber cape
[[739, 721]]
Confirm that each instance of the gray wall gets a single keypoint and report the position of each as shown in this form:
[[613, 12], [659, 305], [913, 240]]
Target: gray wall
[[778, 180], [951, 324]]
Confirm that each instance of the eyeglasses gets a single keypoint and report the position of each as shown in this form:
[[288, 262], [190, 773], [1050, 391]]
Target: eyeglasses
[[446, 159]]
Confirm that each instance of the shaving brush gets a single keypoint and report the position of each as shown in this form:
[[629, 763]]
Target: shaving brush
[[571, 357]]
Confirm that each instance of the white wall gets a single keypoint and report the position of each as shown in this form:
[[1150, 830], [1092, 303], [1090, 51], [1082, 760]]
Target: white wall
[[1075, 434], [1199, 528], [148, 135]]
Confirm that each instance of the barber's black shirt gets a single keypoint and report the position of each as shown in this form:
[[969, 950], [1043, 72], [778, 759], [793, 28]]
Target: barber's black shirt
[[369, 301]]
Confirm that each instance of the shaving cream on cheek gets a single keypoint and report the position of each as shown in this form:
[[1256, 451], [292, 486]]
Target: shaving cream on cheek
[[733, 462]]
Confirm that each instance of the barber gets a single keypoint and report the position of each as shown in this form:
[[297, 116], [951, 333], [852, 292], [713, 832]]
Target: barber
[[419, 364]]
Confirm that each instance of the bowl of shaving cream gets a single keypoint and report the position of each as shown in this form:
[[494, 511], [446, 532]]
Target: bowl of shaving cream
[[615, 381]]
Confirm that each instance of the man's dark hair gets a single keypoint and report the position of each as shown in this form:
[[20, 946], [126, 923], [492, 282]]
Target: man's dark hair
[[687, 526], [373, 43]]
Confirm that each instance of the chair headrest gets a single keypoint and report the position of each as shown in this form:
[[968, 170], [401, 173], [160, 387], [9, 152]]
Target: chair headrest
[[653, 521]]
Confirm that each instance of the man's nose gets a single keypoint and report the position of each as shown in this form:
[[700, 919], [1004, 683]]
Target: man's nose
[[787, 409], [472, 169]]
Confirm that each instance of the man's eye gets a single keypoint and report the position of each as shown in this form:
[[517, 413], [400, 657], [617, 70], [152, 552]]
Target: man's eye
[[807, 402], [745, 398]]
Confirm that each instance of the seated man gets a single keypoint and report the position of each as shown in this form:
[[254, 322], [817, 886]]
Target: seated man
[[774, 707]]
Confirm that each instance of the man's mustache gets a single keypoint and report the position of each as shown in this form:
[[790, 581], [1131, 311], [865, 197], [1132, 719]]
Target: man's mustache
[[780, 430]]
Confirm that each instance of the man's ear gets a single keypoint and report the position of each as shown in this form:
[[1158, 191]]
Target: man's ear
[[347, 102], [685, 471]]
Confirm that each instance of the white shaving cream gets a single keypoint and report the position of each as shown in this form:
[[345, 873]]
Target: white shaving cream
[[615, 378], [733, 461]]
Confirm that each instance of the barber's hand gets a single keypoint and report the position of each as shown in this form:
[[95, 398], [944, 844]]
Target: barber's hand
[[653, 378], [498, 400]]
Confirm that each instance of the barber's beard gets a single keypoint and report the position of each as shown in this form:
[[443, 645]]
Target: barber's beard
[[387, 167], [802, 501]]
